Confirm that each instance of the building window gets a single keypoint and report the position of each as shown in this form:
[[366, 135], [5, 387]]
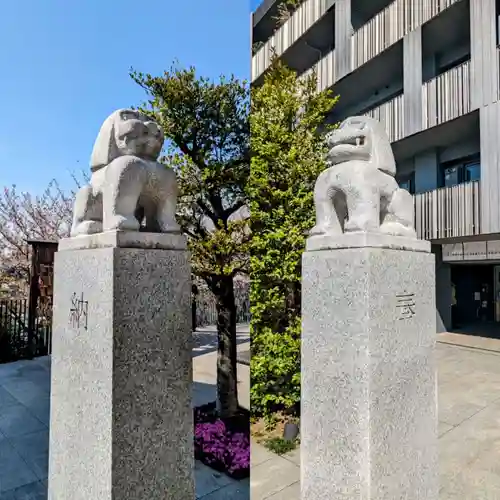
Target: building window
[[460, 171], [407, 182], [451, 176], [472, 171]]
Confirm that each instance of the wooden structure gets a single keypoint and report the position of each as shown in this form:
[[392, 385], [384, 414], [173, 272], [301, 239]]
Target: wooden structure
[[40, 296]]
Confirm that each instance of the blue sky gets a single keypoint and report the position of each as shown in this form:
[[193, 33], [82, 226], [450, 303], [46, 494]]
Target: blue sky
[[65, 69]]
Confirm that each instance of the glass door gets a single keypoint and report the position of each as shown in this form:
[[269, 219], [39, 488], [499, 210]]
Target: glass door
[[496, 290]]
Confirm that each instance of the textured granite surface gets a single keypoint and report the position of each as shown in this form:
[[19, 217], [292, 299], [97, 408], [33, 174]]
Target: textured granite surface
[[363, 240], [124, 239], [121, 419], [369, 423]]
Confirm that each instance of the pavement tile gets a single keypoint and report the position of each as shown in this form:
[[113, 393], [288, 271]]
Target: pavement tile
[[291, 492], [6, 398], [208, 480], [259, 454], [272, 476], [40, 408], [16, 420], [236, 491], [443, 428], [34, 449], [293, 456], [25, 391], [32, 491], [14, 472]]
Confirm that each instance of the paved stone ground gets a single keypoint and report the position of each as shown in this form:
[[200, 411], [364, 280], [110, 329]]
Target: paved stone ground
[[24, 423], [469, 428]]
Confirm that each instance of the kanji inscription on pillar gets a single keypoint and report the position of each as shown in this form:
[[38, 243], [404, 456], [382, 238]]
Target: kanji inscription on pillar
[[78, 313], [405, 305]]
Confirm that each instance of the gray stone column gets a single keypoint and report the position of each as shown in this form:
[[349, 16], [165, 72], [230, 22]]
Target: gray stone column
[[121, 419], [369, 410]]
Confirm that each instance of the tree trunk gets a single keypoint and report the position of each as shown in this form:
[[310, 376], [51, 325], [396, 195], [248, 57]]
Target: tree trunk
[[227, 388]]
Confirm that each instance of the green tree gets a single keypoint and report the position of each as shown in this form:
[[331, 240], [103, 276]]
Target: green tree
[[287, 144], [207, 135]]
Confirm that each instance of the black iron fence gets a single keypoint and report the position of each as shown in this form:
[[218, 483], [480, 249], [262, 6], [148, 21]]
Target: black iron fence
[[16, 340], [206, 310]]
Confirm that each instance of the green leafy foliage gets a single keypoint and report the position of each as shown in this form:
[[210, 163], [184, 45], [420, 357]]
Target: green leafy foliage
[[285, 10], [287, 157], [281, 446], [207, 134]]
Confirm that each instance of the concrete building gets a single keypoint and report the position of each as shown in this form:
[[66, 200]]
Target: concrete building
[[429, 70]]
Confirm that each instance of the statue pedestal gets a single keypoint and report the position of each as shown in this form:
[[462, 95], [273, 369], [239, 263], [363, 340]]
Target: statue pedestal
[[369, 407], [121, 418]]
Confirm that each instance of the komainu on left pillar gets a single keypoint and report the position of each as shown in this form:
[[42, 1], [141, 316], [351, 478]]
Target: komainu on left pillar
[[121, 422]]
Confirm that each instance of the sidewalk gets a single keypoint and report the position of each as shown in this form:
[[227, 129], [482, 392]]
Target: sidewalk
[[205, 365], [469, 428], [209, 484]]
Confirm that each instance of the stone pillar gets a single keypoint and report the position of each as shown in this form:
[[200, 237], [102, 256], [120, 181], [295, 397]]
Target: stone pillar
[[121, 419], [369, 407]]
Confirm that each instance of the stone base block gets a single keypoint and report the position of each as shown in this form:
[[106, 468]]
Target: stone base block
[[364, 240], [121, 419], [124, 239], [369, 406]]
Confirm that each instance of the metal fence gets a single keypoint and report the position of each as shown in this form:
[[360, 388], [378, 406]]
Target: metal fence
[[16, 342], [206, 312], [206, 309]]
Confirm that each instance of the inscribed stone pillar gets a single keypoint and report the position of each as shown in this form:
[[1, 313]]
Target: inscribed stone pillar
[[121, 417], [121, 423], [368, 405]]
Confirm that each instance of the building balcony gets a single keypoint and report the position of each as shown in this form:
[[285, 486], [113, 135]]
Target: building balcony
[[446, 97], [306, 15], [325, 72], [391, 25], [383, 30], [448, 212], [391, 115]]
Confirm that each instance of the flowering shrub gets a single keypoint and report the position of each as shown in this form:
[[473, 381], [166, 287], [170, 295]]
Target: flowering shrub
[[220, 446]]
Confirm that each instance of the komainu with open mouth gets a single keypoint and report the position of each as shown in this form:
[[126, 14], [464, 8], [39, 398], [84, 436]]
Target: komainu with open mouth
[[359, 192]]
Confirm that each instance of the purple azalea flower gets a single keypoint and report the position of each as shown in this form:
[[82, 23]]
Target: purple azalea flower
[[217, 444]]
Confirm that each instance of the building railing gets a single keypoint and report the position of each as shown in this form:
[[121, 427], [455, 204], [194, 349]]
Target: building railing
[[447, 96], [325, 71], [391, 115], [448, 212], [307, 14], [391, 25], [379, 33]]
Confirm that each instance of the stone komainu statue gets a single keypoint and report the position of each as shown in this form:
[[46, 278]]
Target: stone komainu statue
[[128, 186], [358, 192]]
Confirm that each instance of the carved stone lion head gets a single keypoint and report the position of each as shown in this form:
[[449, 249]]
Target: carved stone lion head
[[361, 138], [126, 132]]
